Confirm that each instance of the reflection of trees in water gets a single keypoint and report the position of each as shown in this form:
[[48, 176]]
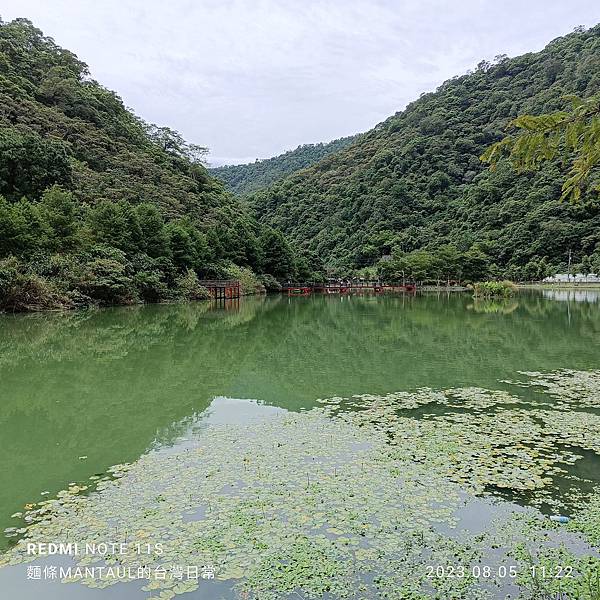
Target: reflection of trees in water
[[101, 384], [491, 306], [394, 343], [581, 315], [282, 340], [122, 372], [110, 334]]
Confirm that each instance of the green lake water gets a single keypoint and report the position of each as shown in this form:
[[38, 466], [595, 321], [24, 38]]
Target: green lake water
[[82, 391]]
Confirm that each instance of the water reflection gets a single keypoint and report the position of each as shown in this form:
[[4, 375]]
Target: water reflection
[[109, 384], [572, 295], [502, 306]]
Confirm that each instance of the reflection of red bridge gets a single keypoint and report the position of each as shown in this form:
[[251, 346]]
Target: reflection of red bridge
[[345, 287], [222, 289]]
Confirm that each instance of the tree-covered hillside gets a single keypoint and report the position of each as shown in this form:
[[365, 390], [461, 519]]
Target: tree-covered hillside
[[248, 178], [414, 186], [97, 206]]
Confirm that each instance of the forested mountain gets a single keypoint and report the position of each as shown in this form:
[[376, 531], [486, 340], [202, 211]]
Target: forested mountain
[[97, 206], [414, 187], [248, 178]]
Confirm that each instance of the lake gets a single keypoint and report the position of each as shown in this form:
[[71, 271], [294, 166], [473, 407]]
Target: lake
[[152, 386]]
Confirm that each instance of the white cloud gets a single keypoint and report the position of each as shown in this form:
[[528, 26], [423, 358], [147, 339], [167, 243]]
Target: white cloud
[[256, 77]]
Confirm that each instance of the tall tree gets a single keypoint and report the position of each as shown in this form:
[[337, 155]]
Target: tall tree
[[277, 255], [59, 214], [154, 235]]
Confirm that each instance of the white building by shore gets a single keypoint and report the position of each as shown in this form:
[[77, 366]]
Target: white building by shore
[[573, 278]]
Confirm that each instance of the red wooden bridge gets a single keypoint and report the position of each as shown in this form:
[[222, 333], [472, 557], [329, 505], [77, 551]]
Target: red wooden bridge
[[345, 287], [222, 289]]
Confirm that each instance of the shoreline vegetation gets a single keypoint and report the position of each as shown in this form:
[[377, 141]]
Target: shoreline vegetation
[[23, 291], [101, 278]]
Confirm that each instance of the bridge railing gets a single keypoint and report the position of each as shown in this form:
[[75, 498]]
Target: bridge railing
[[332, 283], [346, 284], [219, 282]]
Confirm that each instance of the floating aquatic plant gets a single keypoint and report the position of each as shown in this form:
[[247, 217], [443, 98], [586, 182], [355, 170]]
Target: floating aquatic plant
[[355, 499], [570, 388]]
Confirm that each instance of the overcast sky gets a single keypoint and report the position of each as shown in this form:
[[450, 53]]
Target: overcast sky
[[253, 78]]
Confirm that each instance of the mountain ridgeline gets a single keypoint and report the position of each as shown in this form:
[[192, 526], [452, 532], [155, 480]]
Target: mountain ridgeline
[[248, 178], [99, 207], [414, 191]]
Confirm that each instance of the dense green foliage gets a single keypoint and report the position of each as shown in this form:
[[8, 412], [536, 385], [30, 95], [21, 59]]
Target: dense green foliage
[[445, 264], [494, 289], [248, 178], [97, 206], [543, 137], [416, 183]]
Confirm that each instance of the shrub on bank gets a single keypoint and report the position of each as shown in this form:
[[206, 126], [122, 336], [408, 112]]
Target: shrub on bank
[[106, 281], [154, 278], [250, 282], [150, 286], [494, 289], [189, 288], [270, 283], [23, 291]]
